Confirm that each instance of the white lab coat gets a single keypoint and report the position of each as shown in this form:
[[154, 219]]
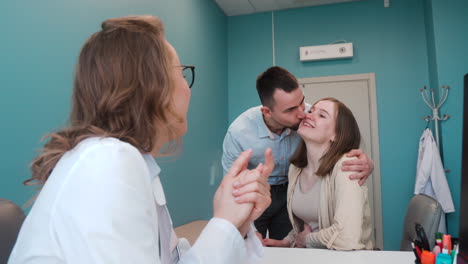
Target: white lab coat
[[430, 176], [104, 203]]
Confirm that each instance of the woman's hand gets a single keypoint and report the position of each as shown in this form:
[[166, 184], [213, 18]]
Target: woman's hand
[[254, 187], [224, 205], [302, 236], [267, 242]]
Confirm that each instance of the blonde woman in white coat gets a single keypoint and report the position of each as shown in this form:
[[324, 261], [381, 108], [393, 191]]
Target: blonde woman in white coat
[[327, 209], [101, 199]]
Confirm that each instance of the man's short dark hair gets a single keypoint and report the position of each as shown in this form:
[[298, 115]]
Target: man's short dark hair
[[274, 78]]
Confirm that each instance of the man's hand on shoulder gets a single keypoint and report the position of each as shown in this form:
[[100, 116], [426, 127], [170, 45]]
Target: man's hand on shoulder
[[362, 166]]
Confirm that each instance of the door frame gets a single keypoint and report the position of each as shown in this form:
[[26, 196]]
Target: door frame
[[375, 151]]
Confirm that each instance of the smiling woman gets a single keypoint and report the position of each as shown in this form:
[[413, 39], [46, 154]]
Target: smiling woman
[[327, 209]]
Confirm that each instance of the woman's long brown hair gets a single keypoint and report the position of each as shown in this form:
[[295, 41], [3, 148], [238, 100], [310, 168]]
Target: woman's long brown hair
[[347, 138], [122, 88]]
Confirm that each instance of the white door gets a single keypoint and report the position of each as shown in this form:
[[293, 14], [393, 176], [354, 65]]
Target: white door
[[358, 93]]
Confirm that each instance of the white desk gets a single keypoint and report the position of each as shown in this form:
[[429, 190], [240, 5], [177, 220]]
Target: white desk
[[319, 256]]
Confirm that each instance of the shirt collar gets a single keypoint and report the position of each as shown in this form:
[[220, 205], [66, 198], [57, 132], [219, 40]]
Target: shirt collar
[[153, 167], [264, 131], [262, 128], [154, 170]]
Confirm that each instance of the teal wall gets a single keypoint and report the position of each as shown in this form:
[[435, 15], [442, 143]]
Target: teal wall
[[395, 43], [409, 45], [450, 23], [40, 42], [432, 65]]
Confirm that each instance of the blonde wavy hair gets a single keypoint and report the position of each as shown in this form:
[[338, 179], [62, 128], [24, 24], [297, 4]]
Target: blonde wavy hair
[[122, 88]]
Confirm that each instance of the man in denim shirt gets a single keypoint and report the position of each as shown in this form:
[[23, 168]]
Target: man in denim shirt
[[273, 125]]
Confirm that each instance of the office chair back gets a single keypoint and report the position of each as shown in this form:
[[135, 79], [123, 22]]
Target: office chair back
[[426, 211], [11, 219]]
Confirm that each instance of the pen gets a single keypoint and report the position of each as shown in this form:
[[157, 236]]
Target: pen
[[422, 237], [416, 251]]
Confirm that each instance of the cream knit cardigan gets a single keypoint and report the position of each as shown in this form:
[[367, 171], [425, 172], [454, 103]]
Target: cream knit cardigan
[[344, 213]]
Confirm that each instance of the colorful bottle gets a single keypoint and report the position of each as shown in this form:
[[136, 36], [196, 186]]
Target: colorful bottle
[[446, 244], [443, 258], [427, 257], [436, 250], [438, 237]]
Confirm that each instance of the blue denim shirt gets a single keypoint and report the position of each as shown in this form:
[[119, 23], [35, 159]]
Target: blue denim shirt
[[249, 131]]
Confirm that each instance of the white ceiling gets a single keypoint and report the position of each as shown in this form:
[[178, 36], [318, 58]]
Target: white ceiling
[[243, 7]]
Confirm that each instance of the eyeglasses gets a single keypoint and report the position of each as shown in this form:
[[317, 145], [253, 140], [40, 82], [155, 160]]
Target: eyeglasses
[[189, 74]]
